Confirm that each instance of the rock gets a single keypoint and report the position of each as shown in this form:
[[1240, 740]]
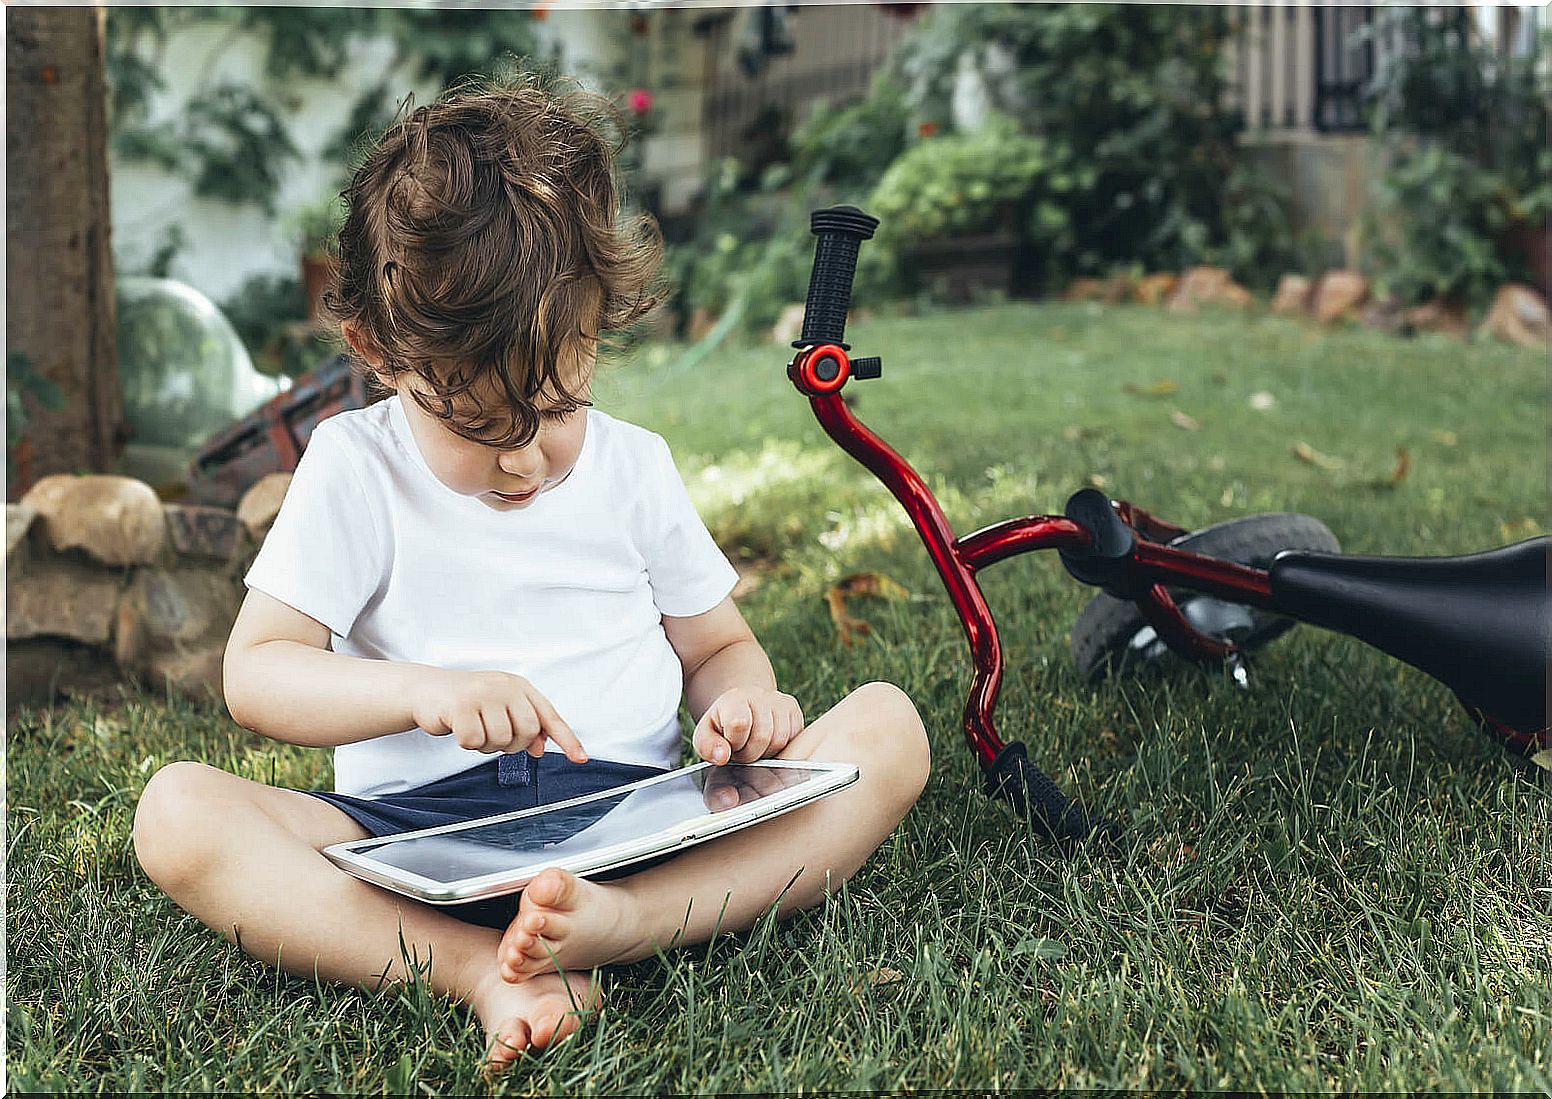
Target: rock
[[61, 598], [1338, 294], [179, 605], [18, 521], [1085, 290], [1438, 316], [39, 670], [194, 671], [1386, 314], [261, 503], [1207, 286], [788, 326], [1293, 296], [1519, 315], [130, 643], [1118, 287], [118, 520], [203, 532], [1155, 289]]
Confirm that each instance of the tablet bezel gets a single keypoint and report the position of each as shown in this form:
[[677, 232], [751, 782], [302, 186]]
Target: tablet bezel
[[350, 858]]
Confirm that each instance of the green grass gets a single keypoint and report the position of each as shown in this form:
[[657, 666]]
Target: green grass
[[1331, 881]]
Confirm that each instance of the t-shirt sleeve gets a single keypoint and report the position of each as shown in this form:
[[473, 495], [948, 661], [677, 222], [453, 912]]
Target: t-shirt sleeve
[[325, 555], [689, 574]]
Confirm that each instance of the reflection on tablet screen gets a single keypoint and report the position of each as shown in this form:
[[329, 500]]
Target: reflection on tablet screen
[[588, 826]]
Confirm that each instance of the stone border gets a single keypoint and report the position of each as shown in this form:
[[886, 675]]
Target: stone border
[[107, 584]]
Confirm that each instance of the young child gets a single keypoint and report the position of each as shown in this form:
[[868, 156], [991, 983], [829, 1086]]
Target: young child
[[486, 595]]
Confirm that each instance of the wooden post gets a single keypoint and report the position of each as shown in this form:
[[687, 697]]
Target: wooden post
[[1304, 67], [1255, 58], [59, 267], [1277, 57]]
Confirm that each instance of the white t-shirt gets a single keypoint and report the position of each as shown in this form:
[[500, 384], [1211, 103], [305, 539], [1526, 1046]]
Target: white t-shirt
[[568, 592]]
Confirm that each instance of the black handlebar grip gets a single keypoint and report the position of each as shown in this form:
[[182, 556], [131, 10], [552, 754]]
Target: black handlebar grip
[[841, 231], [1034, 796]]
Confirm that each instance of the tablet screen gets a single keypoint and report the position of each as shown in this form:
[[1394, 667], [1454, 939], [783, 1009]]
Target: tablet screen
[[588, 826]]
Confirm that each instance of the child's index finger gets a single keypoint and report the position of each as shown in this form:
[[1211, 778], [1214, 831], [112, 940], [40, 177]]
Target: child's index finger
[[561, 734], [553, 726]]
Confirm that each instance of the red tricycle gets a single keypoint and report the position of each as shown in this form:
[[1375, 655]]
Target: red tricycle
[[1481, 624]]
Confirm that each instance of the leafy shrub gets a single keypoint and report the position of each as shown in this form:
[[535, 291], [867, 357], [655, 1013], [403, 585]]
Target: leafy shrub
[[1446, 215], [1140, 165], [1126, 98], [849, 147], [1464, 131], [960, 184]]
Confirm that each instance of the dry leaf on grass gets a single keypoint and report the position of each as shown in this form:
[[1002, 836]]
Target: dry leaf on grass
[[1184, 421], [847, 628], [1306, 453], [1403, 466], [883, 975], [1157, 389]]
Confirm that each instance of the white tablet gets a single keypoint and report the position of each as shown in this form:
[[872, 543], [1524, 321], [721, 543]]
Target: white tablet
[[492, 856]]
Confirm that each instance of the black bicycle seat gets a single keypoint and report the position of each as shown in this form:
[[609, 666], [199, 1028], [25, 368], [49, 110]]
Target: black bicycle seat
[[1480, 624]]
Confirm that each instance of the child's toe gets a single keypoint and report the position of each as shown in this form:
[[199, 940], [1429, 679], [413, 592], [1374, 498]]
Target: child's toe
[[552, 1027], [509, 1042], [551, 888]]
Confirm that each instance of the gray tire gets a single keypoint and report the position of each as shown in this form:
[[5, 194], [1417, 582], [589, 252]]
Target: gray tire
[[1111, 634]]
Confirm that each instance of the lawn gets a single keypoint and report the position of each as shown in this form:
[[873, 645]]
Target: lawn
[[1329, 881]]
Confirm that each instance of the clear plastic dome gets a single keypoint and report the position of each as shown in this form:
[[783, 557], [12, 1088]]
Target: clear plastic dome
[[185, 375]]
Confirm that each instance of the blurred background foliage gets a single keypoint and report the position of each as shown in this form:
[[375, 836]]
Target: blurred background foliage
[[1100, 141], [1468, 181], [1101, 145]]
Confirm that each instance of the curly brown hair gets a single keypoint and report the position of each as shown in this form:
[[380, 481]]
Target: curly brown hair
[[484, 240]]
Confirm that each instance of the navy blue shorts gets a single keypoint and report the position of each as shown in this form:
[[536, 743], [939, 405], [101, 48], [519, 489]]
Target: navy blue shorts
[[503, 784]]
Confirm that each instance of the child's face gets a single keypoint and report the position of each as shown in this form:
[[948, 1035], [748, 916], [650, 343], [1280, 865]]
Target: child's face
[[505, 480]]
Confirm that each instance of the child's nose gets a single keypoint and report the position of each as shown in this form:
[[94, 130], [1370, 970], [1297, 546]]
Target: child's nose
[[526, 462]]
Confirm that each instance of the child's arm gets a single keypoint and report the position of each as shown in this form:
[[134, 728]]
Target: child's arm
[[730, 688], [281, 679]]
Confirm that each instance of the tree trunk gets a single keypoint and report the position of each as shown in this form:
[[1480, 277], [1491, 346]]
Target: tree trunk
[[58, 265]]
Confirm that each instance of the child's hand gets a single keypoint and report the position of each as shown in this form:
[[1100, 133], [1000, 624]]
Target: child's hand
[[491, 712], [747, 723]]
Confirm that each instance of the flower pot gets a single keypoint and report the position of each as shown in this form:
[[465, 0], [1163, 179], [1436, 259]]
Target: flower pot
[[957, 269], [317, 273]]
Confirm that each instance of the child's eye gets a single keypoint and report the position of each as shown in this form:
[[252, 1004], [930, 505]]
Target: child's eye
[[556, 414]]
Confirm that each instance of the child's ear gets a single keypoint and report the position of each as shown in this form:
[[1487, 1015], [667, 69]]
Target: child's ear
[[361, 345]]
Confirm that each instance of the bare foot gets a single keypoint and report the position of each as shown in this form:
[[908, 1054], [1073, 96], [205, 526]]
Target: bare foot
[[536, 1013], [563, 921]]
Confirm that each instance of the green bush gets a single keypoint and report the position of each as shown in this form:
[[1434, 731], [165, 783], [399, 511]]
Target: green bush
[[1138, 152], [849, 147], [1464, 132], [960, 184], [1446, 215]]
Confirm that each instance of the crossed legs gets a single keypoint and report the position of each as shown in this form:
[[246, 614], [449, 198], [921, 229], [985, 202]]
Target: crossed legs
[[244, 858]]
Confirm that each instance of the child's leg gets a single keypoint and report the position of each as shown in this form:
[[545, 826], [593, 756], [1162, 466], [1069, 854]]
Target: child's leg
[[729, 882], [244, 858]]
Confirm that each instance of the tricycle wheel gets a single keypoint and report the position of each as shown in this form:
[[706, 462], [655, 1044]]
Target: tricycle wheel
[[1112, 635]]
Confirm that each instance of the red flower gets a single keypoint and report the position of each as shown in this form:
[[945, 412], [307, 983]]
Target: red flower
[[926, 129], [640, 101]]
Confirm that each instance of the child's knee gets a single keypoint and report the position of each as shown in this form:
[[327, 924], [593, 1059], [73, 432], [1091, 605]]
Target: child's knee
[[891, 733], [173, 812]]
